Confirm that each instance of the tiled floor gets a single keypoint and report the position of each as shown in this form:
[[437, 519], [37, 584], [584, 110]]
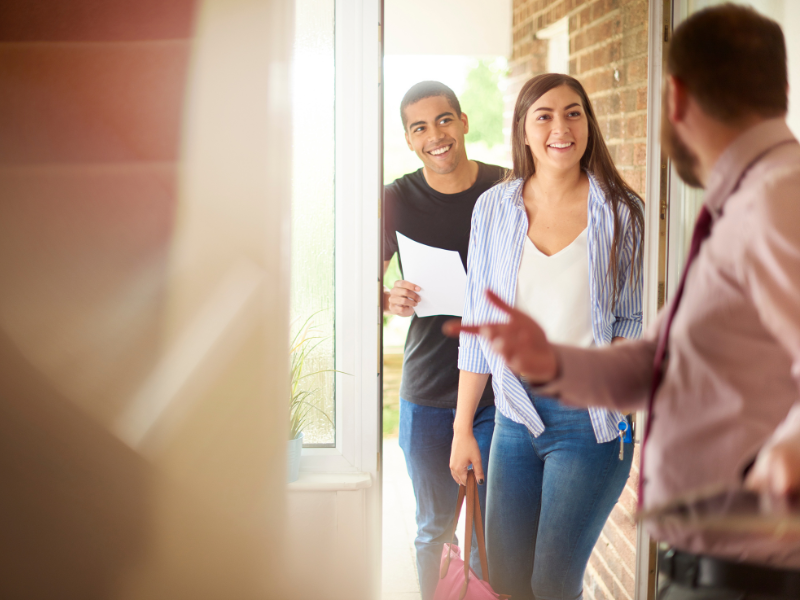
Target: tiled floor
[[399, 527]]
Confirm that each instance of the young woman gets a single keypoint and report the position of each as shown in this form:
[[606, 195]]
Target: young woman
[[561, 239]]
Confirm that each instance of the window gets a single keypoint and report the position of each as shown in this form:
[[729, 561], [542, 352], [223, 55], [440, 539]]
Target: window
[[313, 305], [686, 201], [336, 200], [557, 36]]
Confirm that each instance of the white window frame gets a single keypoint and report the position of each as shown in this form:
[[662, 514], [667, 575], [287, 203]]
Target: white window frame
[[557, 36], [358, 188]]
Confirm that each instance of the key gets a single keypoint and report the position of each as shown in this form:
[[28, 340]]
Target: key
[[623, 428]]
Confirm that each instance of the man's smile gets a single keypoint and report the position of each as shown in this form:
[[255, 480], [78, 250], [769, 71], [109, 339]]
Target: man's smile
[[440, 150]]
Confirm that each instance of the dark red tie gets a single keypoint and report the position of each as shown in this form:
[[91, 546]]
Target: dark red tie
[[701, 230]]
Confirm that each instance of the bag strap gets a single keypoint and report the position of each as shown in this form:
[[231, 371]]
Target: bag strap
[[459, 503], [474, 521], [479, 532]]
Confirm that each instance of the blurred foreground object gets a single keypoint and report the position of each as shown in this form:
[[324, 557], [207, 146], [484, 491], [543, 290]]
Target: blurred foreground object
[[144, 201]]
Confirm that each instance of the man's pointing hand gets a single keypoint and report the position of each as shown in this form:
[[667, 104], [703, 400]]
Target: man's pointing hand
[[520, 341]]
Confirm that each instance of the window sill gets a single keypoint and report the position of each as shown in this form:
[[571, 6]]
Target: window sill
[[330, 482]]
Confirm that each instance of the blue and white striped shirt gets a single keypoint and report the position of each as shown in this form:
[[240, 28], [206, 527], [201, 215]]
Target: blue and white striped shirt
[[499, 227]]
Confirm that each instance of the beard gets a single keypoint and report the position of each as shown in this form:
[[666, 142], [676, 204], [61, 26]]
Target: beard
[[682, 157]]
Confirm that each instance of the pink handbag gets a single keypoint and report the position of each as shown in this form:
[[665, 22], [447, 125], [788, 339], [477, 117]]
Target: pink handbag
[[456, 580]]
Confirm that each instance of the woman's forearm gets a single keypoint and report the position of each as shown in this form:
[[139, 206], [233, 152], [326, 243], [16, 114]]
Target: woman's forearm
[[470, 391]]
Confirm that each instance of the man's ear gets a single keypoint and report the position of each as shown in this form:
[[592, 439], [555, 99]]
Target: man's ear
[[465, 121], [408, 141], [677, 99]]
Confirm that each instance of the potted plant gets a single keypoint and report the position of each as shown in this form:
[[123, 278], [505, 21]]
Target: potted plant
[[303, 343]]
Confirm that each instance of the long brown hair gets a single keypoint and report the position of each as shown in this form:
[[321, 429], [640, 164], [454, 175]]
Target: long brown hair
[[596, 160]]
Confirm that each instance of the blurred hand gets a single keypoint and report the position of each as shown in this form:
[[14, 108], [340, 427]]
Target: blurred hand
[[463, 453], [520, 341], [776, 474], [402, 298]]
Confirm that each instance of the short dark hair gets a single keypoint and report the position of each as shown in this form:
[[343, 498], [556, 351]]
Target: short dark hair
[[732, 60], [427, 89]]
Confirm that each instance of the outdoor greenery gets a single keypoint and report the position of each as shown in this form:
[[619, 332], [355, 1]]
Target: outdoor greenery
[[482, 101]]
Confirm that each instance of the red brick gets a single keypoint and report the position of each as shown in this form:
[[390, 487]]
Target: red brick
[[620, 569], [627, 97], [615, 127], [585, 16], [591, 587], [628, 499], [637, 69], [641, 98], [640, 155], [635, 15], [617, 589], [598, 10], [614, 51]]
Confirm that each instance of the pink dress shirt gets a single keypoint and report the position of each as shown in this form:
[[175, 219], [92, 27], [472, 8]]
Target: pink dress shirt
[[733, 372]]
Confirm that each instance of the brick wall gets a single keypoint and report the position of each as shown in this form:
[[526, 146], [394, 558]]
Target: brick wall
[[608, 54]]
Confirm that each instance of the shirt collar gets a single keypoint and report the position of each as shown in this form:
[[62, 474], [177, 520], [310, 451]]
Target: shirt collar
[[739, 156], [513, 191]]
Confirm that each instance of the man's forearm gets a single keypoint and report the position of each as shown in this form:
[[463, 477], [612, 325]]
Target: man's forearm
[[616, 376]]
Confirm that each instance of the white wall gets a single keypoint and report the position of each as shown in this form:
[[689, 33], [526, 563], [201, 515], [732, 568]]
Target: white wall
[[143, 353], [462, 27]]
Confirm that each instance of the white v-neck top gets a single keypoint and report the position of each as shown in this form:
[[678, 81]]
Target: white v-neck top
[[554, 290]]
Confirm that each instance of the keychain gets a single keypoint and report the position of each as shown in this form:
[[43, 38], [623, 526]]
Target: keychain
[[624, 436]]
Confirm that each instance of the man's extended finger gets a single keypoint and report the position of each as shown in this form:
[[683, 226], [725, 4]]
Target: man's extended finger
[[498, 302], [453, 327]]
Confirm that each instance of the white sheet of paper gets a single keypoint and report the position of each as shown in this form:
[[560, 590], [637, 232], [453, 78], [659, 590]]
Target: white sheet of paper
[[439, 273]]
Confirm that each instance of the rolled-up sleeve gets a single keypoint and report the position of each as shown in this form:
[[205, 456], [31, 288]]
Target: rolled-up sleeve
[[470, 354]]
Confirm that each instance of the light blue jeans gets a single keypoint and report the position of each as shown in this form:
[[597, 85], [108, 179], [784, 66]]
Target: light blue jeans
[[426, 435], [548, 499]]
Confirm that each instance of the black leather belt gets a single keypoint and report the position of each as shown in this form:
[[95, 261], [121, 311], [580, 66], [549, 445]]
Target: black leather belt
[[699, 571]]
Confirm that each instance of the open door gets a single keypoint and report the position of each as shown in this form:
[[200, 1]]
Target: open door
[[333, 507]]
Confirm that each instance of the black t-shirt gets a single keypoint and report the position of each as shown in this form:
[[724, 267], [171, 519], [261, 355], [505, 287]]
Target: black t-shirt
[[415, 209]]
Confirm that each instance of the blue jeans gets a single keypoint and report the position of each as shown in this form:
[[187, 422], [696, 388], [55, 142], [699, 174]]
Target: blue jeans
[[426, 435], [549, 498]]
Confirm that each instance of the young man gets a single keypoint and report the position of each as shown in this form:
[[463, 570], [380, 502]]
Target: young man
[[720, 368], [433, 206]]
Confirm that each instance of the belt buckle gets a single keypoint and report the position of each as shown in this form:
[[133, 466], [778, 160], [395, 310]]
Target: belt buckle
[[666, 562], [679, 567]]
